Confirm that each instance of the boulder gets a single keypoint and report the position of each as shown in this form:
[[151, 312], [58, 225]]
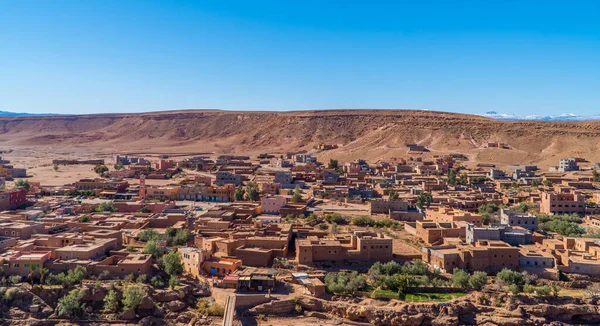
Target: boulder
[[146, 303], [128, 315], [175, 306]]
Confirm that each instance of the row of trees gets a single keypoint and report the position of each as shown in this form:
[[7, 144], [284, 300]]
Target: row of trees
[[71, 305], [173, 237]]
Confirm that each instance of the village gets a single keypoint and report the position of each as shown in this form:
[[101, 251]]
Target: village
[[229, 239]]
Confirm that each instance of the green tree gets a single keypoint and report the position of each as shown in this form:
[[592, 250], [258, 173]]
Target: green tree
[[514, 289], [336, 218], [171, 263], [84, 218], [70, 305], [55, 167], [394, 195], [596, 176], [132, 296], [119, 166], [252, 192], [547, 183], [142, 278], [509, 277], [460, 279], [149, 235], [555, 290], [333, 164], [151, 248], [424, 200], [239, 193], [107, 206], [100, 169], [23, 184], [43, 272], [478, 280], [536, 183], [173, 282], [297, 196], [451, 177], [111, 302]]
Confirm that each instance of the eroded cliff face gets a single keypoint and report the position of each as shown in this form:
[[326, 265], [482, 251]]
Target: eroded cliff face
[[367, 134], [475, 309]]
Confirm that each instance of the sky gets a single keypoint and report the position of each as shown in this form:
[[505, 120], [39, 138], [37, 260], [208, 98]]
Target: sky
[[519, 57]]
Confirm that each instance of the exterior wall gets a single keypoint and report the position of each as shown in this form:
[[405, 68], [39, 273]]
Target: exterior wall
[[20, 230], [272, 204], [523, 220], [562, 203], [535, 262], [474, 234], [224, 178], [382, 206], [255, 256], [361, 248]]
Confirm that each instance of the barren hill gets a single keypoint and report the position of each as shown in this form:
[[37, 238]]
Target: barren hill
[[369, 134]]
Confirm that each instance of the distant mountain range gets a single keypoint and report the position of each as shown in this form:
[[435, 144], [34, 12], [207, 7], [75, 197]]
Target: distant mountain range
[[561, 117], [489, 114], [22, 114]]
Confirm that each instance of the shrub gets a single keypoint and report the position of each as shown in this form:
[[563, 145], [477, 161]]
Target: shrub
[[15, 279], [157, 282], [478, 280], [70, 305], [335, 218], [111, 301], [173, 282], [171, 263], [345, 282], [207, 308], [460, 279], [510, 277], [132, 296], [323, 226], [142, 278], [13, 293], [129, 278], [514, 289], [149, 235], [151, 248]]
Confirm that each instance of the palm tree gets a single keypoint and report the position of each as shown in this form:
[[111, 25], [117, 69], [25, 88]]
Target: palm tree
[[43, 273]]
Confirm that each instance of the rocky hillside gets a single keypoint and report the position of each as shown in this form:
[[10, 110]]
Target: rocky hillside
[[369, 134]]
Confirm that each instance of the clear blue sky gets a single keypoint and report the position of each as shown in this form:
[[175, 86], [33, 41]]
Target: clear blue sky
[[534, 57]]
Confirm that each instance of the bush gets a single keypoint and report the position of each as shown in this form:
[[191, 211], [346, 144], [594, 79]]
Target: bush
[[129, 277], [173, 282], [509, 277], [345, 282], [142, 278], [107, 207], [323, 226], [562, 224], [460, 279], [207, 308], [171, 263], [70, 305], [132, 296], [73, 277], [149, 235], [335, 218], [84, 218], [514, 289], [478, 280], [366, 221], [111, 302], [15, 279], [13, 293], [157, 282], [151, 248]]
